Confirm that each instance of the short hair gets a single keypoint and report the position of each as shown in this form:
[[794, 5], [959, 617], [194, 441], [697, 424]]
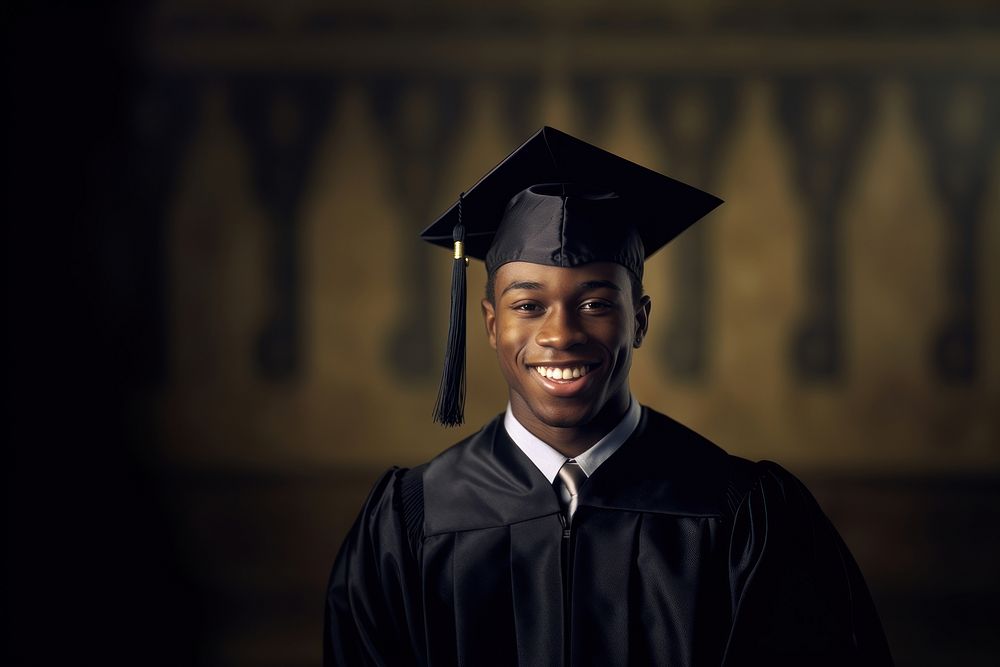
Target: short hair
[[634, 282]]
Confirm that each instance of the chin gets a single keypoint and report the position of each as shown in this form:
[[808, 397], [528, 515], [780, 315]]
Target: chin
[[556, 416]]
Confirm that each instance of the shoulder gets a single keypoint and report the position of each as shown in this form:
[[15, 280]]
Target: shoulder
[[483, 481], [400, 490], [775, 517], [708, 478], [776, 491], [469, 451], [797, 590], [672, 440], [394, 505], [406, 497]]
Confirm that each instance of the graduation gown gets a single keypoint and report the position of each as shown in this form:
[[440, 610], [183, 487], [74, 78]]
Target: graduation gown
[[678, 554]]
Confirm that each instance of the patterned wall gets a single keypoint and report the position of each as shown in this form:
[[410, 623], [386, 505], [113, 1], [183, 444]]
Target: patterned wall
[[840, 313], [841, 309]]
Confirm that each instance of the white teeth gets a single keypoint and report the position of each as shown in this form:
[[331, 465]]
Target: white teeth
[[561, 373]]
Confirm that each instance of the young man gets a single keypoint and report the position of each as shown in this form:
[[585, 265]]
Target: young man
[[578, 527]]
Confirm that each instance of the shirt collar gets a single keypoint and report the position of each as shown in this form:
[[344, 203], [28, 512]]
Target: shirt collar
[[548, 460]]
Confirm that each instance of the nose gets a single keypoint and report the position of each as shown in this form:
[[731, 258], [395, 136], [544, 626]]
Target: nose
[[560, 330]]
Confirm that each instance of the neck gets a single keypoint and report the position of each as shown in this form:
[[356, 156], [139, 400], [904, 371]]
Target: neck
[[573, 440]]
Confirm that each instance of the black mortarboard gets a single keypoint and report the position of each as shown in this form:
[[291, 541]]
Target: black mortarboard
[[558, 201]]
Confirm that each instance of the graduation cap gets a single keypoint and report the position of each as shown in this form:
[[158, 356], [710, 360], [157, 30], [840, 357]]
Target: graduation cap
[[557, 201]]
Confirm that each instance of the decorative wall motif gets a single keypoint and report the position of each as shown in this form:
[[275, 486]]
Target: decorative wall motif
[[280, 118], [840, 313], [956, 115], [826, 122]]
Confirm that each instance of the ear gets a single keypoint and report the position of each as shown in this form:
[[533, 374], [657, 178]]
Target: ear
[[490, 320], [642, 320]]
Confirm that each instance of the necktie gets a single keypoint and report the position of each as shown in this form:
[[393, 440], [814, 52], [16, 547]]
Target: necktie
[[571, 478]]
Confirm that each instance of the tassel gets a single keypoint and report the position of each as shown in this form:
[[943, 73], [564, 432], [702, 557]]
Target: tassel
[[449, 410]]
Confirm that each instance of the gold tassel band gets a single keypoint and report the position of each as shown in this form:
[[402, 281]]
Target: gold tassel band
[[459, 250]]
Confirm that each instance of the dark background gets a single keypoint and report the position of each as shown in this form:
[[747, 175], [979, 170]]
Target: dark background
[[220, 327]]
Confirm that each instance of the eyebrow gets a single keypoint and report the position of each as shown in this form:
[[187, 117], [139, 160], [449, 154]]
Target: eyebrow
[[588, 285], [521, 284], [598, 284]]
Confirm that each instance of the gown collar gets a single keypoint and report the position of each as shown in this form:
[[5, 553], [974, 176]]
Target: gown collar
[[486, 481], [548, 460]]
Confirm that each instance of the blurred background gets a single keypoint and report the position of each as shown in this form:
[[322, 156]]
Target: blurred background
[[222, 326]]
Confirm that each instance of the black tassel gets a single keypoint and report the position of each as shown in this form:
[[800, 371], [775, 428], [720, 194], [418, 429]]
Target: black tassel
[[449, 410]]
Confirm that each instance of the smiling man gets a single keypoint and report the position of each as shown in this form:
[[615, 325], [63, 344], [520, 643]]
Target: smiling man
[[579, 527]]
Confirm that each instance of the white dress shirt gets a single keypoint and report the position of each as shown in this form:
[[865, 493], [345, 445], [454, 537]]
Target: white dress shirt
[[548, 460]]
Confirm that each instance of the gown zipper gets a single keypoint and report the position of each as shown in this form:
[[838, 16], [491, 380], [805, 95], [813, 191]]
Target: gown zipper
[[567, 564]]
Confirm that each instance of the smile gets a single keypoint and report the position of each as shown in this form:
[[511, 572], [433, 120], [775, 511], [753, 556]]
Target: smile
[[563, 373]]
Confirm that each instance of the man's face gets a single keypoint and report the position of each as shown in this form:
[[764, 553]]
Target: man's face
[[564, 339]]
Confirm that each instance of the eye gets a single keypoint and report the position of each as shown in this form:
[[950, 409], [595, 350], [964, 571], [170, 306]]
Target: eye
[[595, 306], [526, 307]]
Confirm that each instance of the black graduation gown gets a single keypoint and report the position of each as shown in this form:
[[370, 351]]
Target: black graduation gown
[[679, 554]]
